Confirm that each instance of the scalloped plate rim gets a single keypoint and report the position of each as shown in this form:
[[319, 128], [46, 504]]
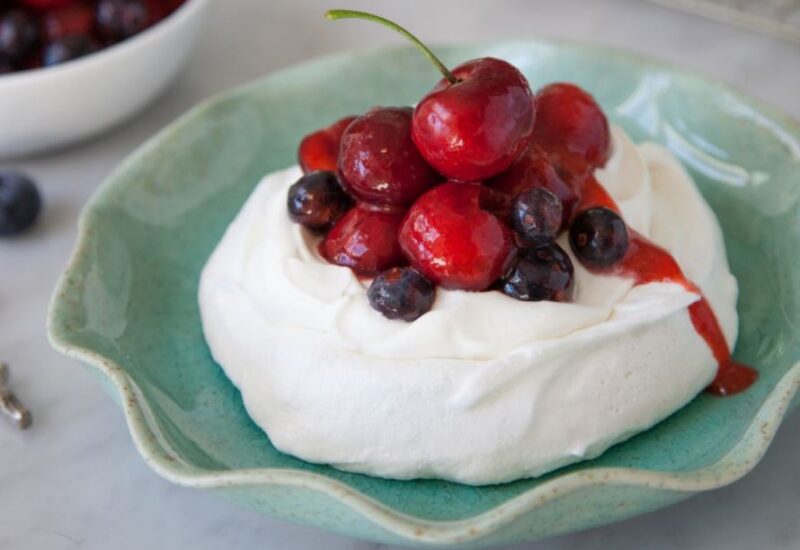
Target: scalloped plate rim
[[156, 453]]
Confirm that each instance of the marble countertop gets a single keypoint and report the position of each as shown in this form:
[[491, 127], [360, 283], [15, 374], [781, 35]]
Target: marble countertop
[[75, 479]]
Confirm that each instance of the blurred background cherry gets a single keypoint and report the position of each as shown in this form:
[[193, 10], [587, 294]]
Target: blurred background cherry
[[36, 33]]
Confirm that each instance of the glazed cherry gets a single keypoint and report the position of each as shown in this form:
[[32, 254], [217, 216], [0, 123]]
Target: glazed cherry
[[401, 293], [476, 121], [317, 201], [569, 122], [378, 161], [365, 240], [476, 127], [67, 48], [453, 241], [543, 273], [20, 203], [117, 20], [320, 150], [536, 216], [599, 237], [67, 21], [535, 169], [19, 35]]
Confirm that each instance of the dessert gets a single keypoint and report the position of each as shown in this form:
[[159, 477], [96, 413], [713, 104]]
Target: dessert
[[534, 289], [36, 33]]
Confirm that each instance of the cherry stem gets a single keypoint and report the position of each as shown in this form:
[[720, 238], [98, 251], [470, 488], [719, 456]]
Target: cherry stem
[[333, 15]]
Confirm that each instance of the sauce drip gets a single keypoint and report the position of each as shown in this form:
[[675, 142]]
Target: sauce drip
[[645, 262]]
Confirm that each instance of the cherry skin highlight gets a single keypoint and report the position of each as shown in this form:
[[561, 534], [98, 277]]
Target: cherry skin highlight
[[474, 129]]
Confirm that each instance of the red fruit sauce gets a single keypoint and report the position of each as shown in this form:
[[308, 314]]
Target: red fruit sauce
[[646, 262]]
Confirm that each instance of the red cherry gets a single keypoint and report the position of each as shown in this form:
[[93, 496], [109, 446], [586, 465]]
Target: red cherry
[[477, 127], [365, 240], [171, 5], [69, 20], [156, 11], [47, 4], [320, 150], [570, 122], [453, 241], [535, 169], [378, 161]]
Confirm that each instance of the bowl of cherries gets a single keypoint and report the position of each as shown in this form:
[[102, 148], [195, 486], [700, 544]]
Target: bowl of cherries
[[70, 69]]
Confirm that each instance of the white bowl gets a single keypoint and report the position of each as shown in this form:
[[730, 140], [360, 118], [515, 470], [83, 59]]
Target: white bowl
[[50, 107]]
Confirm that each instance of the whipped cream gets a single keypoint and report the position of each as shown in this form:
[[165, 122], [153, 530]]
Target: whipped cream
[[483, 388]]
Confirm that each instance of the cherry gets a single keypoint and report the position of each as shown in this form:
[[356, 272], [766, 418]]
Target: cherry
[[120, 19], [67, 48], [543, 273], [570, 122], [453, 241], [378, 161], [401, 293], [476, 121], [365, 240], [19, 35], [599, 237], [320, 150], [20, 203], [535, 169], [536, 216], [156, 11], [317, 201], [75, 19], [475, 128], [47, 4]]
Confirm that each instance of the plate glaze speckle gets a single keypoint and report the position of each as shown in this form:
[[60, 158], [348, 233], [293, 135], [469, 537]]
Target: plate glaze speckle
[[127, 304]]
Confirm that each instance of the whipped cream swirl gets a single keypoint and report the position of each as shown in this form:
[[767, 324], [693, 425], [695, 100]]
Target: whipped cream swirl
[[483, 388]]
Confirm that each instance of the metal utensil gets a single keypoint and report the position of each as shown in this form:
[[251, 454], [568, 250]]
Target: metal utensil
[[10, 407]]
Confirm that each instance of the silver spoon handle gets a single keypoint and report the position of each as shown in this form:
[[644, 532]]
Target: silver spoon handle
[[10, 407]]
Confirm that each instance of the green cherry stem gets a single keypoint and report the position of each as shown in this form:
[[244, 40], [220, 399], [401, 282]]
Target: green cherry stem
[[333, 15]]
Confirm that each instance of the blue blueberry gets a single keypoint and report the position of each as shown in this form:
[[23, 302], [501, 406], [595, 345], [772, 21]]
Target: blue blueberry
[[19, 203], [19, 34], [68, 48], [536, 215], [401, 293], [543, 273], [317, 200], [121, 19], [599, 237]]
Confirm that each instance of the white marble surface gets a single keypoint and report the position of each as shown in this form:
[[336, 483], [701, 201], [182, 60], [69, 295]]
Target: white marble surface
[[76, 481]]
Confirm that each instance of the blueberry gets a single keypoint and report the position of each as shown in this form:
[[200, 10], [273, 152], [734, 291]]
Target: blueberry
[[68, 48], [120, 19], [599, 237], [536, 215], [19, 34], [543, 273], [317, 200], [401, 293], [19, 203]]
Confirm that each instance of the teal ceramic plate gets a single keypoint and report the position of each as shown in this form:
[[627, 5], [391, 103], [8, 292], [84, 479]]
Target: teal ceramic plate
[[127, 308]]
